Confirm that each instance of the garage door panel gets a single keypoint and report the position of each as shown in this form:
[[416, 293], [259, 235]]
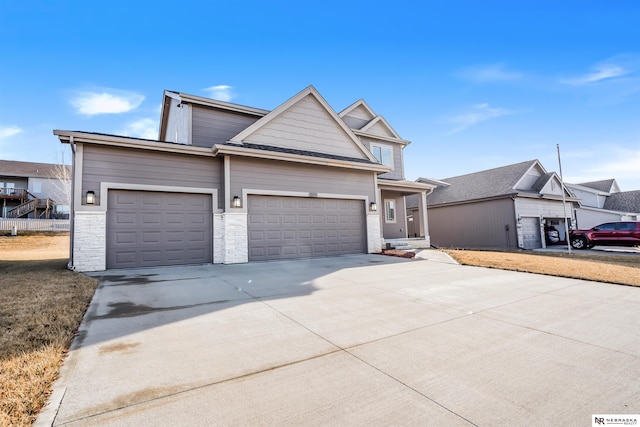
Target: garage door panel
[[147, 229], [293, 227], [531, 233], [274, 219], [196, 236], [276, 250], [273, 235], [126, 218], [153, 237]]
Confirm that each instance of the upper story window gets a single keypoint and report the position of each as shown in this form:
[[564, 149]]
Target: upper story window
[[383, 154]]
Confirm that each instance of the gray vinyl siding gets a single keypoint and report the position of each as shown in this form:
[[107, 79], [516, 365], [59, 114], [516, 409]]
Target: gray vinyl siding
[[587, 218], [394, 230], [211, 126], [542, 208], [396, 149], [257, 174], [306, 125], [474, 225], [130, 166], [18, 182]]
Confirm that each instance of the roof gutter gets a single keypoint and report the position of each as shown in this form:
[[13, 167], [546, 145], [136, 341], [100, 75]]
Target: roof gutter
[[72, 211], [262, 154], [126, 142]]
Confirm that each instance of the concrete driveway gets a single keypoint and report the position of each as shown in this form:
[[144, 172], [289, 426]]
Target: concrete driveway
[[363, 339]]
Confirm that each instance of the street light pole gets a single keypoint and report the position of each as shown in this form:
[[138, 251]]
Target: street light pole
[[564, 203]]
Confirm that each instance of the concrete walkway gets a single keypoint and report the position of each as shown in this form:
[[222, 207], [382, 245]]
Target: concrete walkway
[[365, 339]]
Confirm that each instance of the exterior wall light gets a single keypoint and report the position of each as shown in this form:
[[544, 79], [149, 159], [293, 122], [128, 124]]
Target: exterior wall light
[[373, 206], [237, 203], [91, 198]]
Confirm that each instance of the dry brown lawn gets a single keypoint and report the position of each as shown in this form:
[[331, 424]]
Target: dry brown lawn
[[41, 306], [619, 269]]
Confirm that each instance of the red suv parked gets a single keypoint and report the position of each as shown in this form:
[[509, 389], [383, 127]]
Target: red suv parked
[[610, 234]]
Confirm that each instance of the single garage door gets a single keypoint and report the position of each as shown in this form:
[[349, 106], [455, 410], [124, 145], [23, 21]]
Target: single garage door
[[531, 233], [148, 229], [296, 227]]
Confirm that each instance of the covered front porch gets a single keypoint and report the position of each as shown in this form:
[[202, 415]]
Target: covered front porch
[[401, 227]]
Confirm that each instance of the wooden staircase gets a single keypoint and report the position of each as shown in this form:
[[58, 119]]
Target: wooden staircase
[[45, 206]]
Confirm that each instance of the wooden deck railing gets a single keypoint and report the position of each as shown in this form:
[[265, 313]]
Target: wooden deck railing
[[14, 193], [31, 206]]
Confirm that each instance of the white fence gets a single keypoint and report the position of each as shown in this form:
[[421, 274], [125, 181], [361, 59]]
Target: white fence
[[35, 224]]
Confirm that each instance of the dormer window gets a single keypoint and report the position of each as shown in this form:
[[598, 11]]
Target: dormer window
[[383, 154]]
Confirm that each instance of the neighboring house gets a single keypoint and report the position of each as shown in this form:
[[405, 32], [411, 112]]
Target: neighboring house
[[32, 190], [502, 208], [602, 201], [227, 183]]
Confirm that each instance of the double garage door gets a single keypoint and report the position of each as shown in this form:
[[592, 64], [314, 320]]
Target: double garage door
[[148, 229], [296, 227]]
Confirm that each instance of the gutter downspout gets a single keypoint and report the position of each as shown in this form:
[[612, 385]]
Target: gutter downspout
[[425, 214], [72, 210]]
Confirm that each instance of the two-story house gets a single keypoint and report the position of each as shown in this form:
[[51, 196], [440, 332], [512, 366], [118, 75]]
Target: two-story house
[[602, 201], [227, 183], [32, 190]]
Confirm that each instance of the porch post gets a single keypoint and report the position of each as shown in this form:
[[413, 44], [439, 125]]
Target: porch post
[[422, 211]]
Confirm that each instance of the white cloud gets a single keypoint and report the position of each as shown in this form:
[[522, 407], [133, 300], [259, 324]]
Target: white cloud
[[626, 164], [600, 72], [108, 101], [143, 128], [623, 164], [220, 92], [490, 73], [8, 131], [479, 113]]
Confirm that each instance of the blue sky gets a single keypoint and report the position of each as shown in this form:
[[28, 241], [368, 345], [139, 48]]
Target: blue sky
[[473, 84]]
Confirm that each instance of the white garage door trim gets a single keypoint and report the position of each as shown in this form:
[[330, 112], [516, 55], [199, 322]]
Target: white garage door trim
[[106, 186]]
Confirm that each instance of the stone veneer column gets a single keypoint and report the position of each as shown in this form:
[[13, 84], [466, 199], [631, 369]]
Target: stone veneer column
[[90, 241], [218, 238], [374, 236], [236, 245]]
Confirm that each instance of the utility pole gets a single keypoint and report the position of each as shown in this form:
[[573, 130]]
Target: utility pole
[[564, 203]]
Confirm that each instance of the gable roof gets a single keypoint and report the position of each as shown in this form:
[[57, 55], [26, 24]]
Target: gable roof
[[308, 107], [606, 185], [359, 109], [625, 201], [491, 183], [27, 169], [380, 127], [542, 181]]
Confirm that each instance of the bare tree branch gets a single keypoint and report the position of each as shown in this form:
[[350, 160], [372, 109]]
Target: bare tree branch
[[60, 181]]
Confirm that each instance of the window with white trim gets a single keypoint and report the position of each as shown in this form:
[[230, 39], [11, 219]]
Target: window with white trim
[[389, 210], [383, 154]]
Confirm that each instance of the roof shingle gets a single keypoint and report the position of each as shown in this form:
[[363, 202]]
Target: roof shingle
[[480, 185]]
